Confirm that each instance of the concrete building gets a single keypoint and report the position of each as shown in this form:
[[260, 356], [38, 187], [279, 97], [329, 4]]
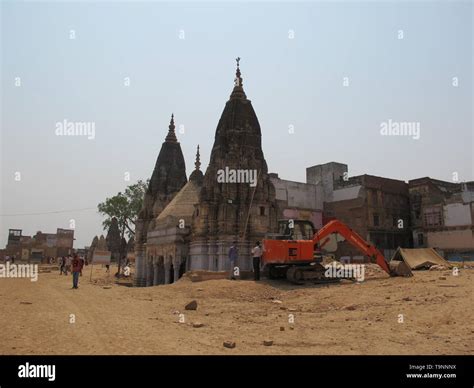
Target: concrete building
[[326, 176], [298, 200], [39, 247], [442, 216], [376, 208]]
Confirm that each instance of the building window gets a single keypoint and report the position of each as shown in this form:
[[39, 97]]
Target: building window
[[373, 198], [262, 210], [376, 220], [432, 216], [420, 239]]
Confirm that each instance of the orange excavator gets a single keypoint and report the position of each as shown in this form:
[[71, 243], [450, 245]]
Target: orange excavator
[[300, 260]]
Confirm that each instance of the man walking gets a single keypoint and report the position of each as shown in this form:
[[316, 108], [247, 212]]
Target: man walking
[[76, 270], [256, 255], [233, 254]]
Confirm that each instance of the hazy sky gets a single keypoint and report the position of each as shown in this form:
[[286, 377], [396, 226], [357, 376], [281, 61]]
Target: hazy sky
[[295, 58]]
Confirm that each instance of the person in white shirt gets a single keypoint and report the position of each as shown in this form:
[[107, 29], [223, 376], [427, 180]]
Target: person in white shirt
[[68, 264], [256, 256]]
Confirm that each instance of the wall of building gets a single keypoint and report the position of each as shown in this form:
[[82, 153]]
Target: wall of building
[[442, 215], [376, 208], [346, 193], [353, 213], [467, 196], [64, 238], [298, 194], [451, 239], [325, 176], [298, 200], [457, 214]]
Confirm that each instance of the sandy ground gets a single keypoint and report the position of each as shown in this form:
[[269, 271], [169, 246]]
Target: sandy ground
[[344, 318]]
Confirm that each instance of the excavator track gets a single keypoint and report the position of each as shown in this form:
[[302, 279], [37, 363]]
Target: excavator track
[[314, 273]]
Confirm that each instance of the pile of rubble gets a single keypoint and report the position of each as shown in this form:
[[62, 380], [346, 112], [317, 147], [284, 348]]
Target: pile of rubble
[[373, 271]]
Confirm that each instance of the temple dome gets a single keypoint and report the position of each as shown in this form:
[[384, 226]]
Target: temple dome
[[182, 205]]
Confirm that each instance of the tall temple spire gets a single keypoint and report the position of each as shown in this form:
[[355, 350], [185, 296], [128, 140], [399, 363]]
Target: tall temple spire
[[171, 137], [197, 163], [238, 91], [225, 209]]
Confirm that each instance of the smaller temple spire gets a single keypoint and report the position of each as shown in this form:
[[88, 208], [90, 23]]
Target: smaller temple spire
[[197, 163], [171, 137], [197, 175]]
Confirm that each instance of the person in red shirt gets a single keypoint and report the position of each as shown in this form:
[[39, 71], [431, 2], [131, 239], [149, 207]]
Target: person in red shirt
[[76, 270]]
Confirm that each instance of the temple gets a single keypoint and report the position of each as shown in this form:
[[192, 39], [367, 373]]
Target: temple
[[190, 224], [167, 179], [235, 210]]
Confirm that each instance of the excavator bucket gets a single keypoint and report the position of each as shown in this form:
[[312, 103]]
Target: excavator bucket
[[399, 268]]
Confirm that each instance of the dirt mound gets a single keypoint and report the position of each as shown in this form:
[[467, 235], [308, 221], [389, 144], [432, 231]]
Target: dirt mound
[[374, 271]]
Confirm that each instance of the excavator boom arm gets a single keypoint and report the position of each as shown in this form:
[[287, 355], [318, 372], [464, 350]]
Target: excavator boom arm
[[353, 238]]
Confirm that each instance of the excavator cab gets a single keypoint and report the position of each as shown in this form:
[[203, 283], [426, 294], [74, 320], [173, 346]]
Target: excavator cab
[[295, 230]]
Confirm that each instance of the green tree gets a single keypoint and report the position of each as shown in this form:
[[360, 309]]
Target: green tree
[[124, 207], [122, 210]]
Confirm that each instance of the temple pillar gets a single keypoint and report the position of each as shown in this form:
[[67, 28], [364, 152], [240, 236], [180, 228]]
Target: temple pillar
[[156, 279], [149, 273], [176, 267], [167, 267], [139, 280]]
